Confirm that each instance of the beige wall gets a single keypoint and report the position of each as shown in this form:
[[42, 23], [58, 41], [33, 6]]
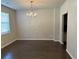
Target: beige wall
[[6, 39], [41, 26], [70, 6], [57, 23]]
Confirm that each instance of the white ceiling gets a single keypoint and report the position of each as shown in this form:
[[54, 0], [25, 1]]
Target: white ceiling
[[25, 4]]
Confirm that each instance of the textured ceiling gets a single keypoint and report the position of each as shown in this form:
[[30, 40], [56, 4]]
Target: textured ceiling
[[25, 4]]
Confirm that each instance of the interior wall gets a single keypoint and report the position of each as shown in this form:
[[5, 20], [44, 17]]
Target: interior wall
[[8, 38], [57, 23], [41, 26], [70, 6]]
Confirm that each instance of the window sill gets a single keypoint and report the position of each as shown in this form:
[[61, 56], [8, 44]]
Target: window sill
[[5, 33]]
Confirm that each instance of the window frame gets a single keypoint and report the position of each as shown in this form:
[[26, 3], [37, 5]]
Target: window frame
[[8, 32]]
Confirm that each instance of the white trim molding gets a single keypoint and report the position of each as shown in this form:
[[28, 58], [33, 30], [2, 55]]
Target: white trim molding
[[35, 39], [70, 54], [58, 41], [40, 39], [8, 43], [61, 42]]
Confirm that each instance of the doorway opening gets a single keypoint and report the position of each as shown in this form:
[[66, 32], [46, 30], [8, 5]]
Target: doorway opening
[[65, 17]]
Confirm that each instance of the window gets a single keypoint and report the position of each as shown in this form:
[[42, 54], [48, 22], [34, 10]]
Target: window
[[5, 26]]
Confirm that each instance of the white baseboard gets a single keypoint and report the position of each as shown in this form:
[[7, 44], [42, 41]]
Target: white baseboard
[[70, 54], [58, 41], [34, 39], [8, 43], [40, 39], [61, 42]]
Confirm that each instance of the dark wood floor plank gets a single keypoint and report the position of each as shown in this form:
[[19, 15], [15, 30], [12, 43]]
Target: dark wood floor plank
[[34, 49]]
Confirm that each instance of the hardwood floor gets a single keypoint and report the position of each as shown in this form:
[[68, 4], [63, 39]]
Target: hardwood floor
[[35, 49]]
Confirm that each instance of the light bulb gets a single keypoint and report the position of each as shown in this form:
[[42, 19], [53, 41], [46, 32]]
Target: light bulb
[[35, 14], [31, 13]]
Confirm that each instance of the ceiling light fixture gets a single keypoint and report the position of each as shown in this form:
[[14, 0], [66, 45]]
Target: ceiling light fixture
[[31, 10]]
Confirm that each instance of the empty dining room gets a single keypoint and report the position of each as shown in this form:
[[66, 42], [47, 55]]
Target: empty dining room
[[38, 29]]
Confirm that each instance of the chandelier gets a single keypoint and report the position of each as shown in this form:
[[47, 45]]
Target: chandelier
[[31, 10]]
